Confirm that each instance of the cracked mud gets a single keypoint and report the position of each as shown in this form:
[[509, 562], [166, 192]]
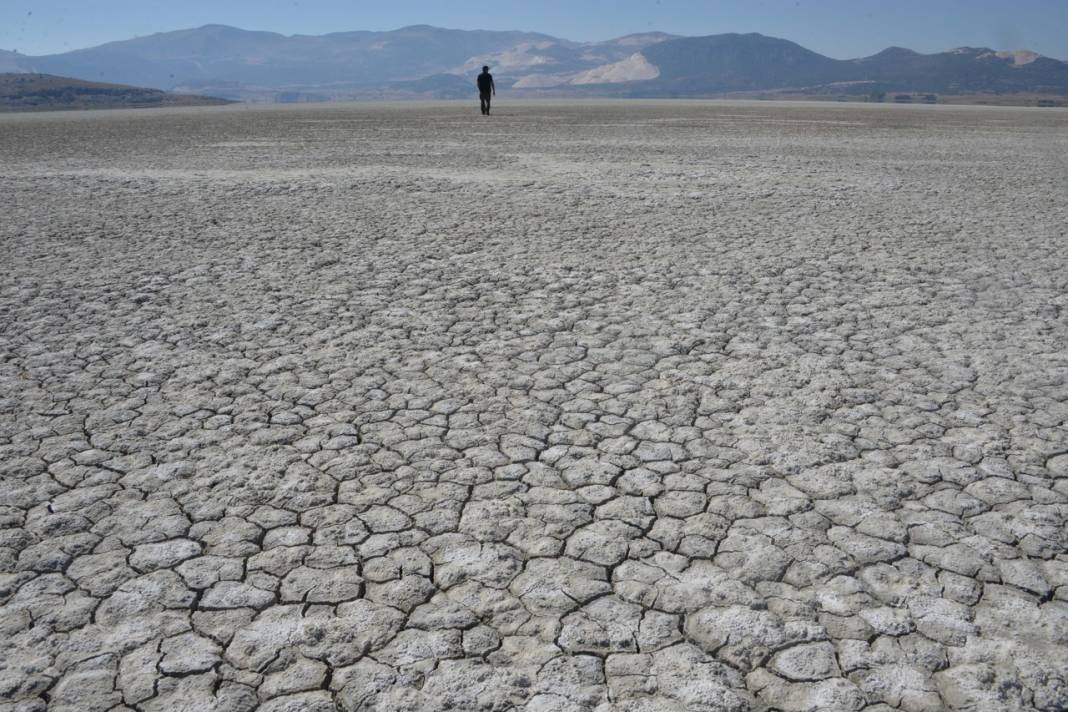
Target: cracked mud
[[617, 407]]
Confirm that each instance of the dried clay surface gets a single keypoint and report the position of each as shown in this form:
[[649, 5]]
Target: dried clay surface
[[637, 407]]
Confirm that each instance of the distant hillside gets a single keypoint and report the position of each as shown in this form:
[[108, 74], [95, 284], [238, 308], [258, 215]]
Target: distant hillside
[[254, 65], [732, 62], [425, 62], [719, 64], [962, 71], [267, 59], [42, 92], [9, 61]]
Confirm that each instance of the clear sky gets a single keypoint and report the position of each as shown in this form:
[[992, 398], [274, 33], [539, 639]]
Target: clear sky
[[838, 28]]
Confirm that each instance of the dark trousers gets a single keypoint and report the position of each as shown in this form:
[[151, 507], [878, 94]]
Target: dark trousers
[[484, 99]]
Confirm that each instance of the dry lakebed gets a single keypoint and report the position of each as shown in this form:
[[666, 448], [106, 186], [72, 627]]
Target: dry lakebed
[[606, 406]]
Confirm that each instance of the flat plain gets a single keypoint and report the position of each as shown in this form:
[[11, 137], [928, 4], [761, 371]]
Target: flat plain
[[618, 406]]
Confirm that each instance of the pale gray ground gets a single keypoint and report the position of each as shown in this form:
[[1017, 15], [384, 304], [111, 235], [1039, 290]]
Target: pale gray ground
[[618, 407]]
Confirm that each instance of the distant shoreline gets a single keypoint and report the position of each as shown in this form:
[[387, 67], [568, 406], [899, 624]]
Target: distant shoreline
[[21, 93]]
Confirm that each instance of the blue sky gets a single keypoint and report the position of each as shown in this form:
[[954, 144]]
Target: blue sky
[[839, 28]]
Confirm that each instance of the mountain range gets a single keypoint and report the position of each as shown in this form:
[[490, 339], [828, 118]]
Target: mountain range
[[429, 61]]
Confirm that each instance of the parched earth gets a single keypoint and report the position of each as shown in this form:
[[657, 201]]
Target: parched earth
[[637, 407]]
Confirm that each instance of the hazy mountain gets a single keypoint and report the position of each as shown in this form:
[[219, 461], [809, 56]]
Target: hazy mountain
[[38, 92], [963, 70], [266, 60], [217, 52], [429, 61], [734, 63]]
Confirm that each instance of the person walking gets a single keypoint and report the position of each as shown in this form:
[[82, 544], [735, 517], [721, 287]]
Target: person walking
[[486, 90]]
